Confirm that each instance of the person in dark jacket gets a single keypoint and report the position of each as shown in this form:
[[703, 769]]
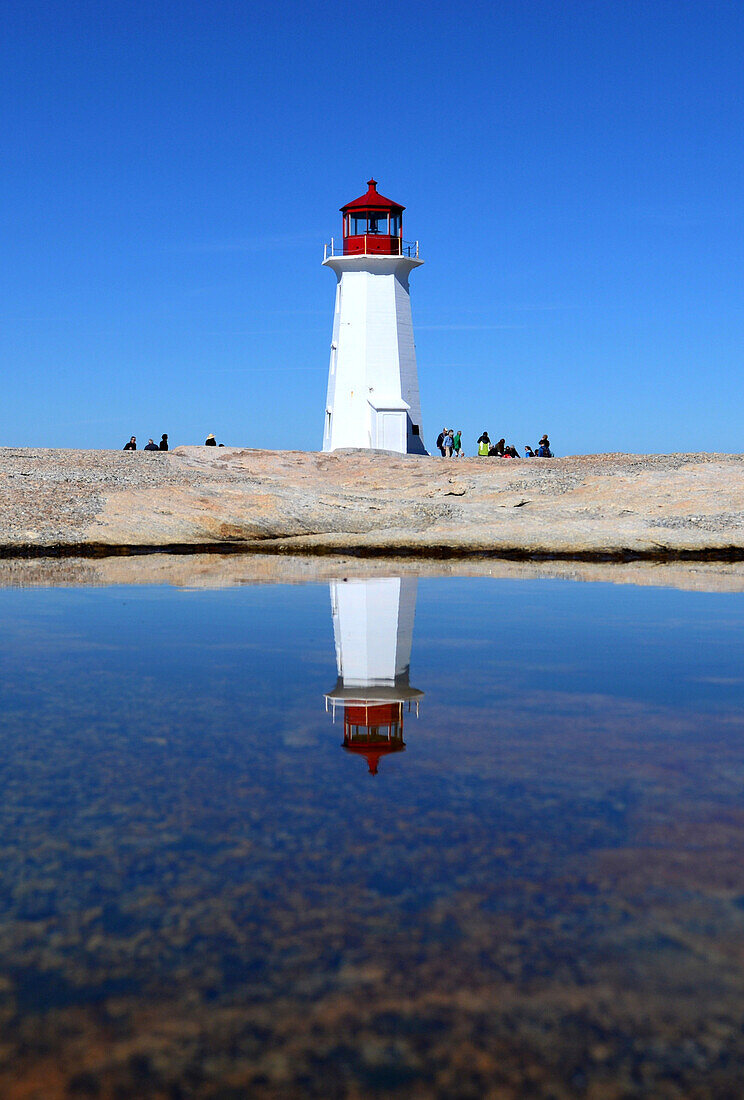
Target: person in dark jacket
[[440, 441], [210, 441], [132, 444], [163, 446], [150, 446]]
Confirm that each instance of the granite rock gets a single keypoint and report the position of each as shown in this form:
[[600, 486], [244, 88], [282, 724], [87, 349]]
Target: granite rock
[[370, 503]]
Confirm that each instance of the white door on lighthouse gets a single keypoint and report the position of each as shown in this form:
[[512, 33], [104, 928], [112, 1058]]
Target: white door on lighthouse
[[391, 431]]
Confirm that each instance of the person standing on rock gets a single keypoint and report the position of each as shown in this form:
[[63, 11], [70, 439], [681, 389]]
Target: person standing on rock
[[447, 443], [150, 446], [132, 444], [483, 445], [440, 441], [457, 442], [210, 441], [163, 445]]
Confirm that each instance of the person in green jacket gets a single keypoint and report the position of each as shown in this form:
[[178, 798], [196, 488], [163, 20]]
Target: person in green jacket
[[457, 442]]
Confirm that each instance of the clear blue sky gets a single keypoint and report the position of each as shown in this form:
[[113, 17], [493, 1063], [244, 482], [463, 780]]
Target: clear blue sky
[[573, 171]]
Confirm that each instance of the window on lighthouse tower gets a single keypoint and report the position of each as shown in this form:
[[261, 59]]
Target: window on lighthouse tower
[[359, 224]]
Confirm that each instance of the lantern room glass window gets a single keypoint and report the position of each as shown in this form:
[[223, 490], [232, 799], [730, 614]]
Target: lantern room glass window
[[373, 224], [357, 225]]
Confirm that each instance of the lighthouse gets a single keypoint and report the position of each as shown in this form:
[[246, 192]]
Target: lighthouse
[[373, 631], [373, 395]]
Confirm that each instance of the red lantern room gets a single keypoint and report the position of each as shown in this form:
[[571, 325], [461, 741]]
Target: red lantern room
[[373, 224]]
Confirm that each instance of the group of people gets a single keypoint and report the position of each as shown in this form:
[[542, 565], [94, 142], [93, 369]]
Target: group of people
[[500, 450], [149, 446], [449, 443], [210, 441], [541, 451]]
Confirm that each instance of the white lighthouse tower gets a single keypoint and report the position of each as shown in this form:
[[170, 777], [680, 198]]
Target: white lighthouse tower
[[373, 394], [373, 630]]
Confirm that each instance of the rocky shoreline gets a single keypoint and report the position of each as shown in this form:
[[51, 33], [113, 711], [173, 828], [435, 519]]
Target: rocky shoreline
[[592, 508], [216, 570]]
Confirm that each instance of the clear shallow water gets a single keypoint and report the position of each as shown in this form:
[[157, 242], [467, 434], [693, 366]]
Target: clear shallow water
[[204, 894]]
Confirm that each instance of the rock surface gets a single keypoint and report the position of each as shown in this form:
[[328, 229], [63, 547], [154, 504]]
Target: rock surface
[[370, 503]]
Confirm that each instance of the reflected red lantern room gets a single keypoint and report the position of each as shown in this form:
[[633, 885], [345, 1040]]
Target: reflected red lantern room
[[373, 731]]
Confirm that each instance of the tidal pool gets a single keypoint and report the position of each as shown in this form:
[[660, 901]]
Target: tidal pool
[[435, 838]]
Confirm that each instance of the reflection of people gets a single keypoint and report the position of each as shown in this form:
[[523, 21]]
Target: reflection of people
[[210, 441]]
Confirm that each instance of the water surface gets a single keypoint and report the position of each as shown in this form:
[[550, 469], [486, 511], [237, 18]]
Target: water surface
[[207, 894]]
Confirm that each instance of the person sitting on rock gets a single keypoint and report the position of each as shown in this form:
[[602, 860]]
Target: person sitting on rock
[[528, 452], [543, 448], [163, 446], [132, 444], [497, 451], [210, 441], [150, 446]]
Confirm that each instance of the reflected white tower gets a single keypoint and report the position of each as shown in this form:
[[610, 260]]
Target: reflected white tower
[[373, 631]]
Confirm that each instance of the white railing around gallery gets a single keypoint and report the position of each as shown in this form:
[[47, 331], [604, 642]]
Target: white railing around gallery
[[370, 245]]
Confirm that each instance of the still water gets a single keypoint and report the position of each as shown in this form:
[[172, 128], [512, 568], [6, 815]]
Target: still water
[[445, 837]]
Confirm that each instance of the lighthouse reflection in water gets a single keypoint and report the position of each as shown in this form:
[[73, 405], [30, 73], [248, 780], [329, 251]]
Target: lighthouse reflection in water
[[373, 631]]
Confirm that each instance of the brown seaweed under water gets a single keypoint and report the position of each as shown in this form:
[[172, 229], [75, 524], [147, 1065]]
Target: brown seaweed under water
[[203, 896]]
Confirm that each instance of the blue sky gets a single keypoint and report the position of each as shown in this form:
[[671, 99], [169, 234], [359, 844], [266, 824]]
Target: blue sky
[[573, 171]]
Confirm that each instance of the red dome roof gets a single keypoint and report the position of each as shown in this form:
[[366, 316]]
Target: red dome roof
[[374, 751], [372, 200]]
